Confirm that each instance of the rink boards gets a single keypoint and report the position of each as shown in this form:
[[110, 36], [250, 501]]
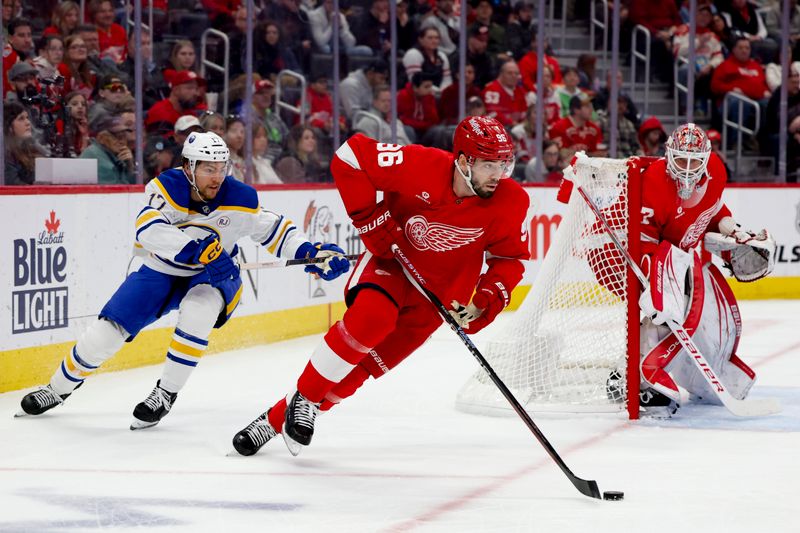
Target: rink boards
[[68, 249]]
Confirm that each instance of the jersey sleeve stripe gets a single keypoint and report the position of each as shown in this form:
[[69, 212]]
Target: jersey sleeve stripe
[[284, 239], [346, 154], [168, 198], [145, 209], [285, 227], [274, 231], [149, 215], [149, 224]]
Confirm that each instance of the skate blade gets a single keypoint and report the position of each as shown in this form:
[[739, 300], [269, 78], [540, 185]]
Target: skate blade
[[292, 445], [20, 414], [140, 424]]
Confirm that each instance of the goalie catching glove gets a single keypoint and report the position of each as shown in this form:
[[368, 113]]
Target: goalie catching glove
[[490, 298], [335, 263], [749, 256], [378, 231]]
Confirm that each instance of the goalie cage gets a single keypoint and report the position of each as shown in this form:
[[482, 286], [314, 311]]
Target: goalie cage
[[580, 320]]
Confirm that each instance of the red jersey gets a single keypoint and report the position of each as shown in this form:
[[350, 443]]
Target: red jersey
[[528, 67], [448, 235], [113, 43], [568, 134], [666, 217], [748, 77], [508, 108]]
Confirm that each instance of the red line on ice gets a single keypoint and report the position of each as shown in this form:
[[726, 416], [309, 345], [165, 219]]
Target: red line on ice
[[479, 492]]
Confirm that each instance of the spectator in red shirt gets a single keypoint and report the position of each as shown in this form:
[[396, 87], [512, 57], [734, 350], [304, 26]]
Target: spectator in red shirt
[[64, 19], [448, 102], [113, 39], [661, 18], [416, 105], [182, 100], [576, 132], [505, 97], [320, 105], [528, 66], [740, 74]]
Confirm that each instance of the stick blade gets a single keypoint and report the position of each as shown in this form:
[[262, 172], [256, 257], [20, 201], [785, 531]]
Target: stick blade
[[587, 487], [754, 407]]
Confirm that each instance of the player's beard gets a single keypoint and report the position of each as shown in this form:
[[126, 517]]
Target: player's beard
[[481, 191]]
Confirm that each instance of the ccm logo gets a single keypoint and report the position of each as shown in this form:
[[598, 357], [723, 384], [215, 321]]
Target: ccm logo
[[374, 224]]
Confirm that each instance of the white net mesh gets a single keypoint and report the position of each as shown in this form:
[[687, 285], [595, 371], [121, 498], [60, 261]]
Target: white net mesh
[[569, 335]]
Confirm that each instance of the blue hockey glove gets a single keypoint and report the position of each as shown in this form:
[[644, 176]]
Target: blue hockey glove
[[218, 263], [334, 265]]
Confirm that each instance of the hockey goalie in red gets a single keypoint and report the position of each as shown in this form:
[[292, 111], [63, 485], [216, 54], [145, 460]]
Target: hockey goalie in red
[[682, 205], [445, 211]]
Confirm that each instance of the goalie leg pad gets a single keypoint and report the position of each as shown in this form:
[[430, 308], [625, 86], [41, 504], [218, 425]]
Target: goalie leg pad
[[659, 357]]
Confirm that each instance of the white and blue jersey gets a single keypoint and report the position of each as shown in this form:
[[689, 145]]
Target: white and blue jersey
[[171, 220]]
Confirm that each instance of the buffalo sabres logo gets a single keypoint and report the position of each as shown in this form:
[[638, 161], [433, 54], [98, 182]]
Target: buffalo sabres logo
[[437, 236]]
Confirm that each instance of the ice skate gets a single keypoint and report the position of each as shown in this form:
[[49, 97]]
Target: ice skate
[[298, 429], [257, 433], [155, 407], [40, 401]]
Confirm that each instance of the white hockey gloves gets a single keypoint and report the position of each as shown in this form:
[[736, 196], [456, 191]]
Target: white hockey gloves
[[750, 256], [670, 285]]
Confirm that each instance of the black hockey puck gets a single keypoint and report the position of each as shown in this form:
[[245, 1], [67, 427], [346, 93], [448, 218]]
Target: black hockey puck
[[613, 495]]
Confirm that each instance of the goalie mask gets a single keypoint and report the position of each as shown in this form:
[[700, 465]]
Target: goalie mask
[[688, 150], [483, 138], [205, 146]]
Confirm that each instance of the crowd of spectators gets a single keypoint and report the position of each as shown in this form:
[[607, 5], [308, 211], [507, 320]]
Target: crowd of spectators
[[68, 81]]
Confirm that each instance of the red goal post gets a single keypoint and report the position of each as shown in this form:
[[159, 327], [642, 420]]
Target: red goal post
[[578, 328]]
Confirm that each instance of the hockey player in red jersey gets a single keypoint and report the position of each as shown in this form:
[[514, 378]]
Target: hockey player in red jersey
[[445, 211], [681, 207]]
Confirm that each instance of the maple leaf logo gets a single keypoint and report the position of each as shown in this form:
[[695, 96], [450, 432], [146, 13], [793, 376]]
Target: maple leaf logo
[[52, 224]]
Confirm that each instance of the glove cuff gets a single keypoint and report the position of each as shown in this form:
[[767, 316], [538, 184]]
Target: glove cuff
[[305, 251]]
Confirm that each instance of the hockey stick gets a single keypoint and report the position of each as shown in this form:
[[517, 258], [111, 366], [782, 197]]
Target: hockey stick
[[755, 407], [291, 262], [586, 487]]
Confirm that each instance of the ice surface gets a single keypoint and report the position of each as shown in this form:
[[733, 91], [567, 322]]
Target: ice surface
[[398, 456]]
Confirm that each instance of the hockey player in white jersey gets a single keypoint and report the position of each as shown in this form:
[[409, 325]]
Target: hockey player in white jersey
[[189, 224]]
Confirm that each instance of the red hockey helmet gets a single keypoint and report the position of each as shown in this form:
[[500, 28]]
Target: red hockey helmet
[[482, 137]]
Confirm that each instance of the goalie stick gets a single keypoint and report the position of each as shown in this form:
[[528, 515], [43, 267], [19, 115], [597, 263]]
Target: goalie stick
[[291, 262], [586, 487], [755, 407]]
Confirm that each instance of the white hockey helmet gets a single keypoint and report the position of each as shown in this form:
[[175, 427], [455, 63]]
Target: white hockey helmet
[[205, 146], [688, 150]]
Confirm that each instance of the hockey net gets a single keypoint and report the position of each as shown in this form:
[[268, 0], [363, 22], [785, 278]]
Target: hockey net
[[574, 329]]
